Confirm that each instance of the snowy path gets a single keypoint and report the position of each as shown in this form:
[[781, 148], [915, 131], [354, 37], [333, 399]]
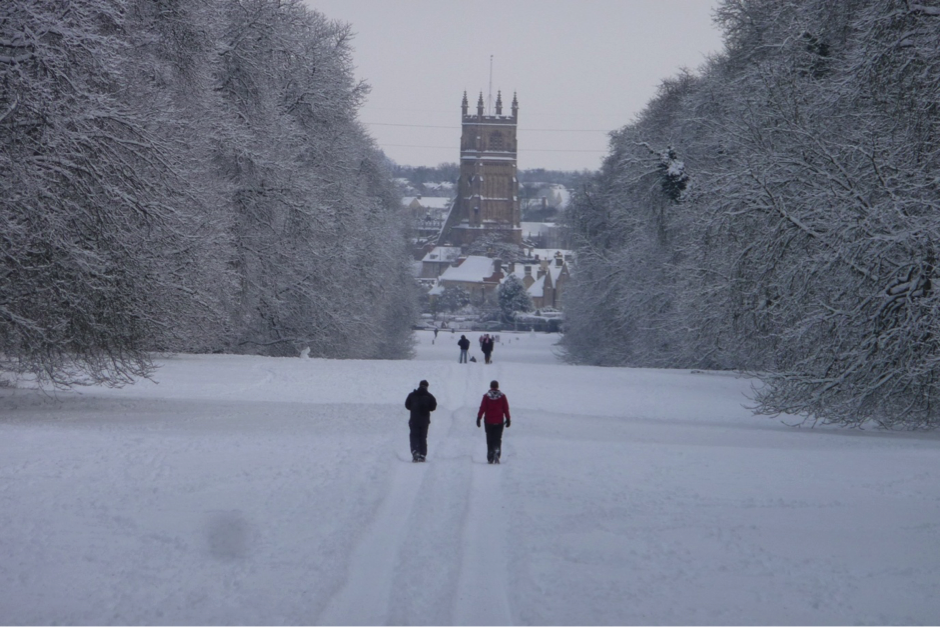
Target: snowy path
[[455, 507], [373, 562], [280, 491], [482, 595]]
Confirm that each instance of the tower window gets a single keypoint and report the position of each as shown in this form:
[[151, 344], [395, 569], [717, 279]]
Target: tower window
[[496, 140]]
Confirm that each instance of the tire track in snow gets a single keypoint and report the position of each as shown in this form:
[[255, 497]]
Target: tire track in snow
[[428, 575], [481, 594], [364, 597], [434, 550], [427, 569], [385, 551]]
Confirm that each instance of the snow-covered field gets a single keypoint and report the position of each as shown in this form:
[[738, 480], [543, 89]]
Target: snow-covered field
[[280, 491]]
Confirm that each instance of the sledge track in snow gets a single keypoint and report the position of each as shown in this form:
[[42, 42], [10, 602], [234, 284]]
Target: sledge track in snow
[[481, 597], [374, 558], [434, 552]]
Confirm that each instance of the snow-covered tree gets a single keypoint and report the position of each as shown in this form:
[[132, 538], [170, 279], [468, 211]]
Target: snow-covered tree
[[513, 297], [85, 220], [803, 244], [453, 298], [189, 175]]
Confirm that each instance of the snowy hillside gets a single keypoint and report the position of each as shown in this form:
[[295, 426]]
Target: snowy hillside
[[280, 491]]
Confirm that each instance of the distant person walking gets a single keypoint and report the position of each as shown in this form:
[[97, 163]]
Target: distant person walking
[[494, 409], [464, 344], [487, 347], [420, 403]]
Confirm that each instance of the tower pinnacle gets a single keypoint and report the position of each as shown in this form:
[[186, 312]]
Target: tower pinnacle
[[487, 203]]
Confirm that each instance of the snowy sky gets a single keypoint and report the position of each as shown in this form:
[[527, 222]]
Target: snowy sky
[[581, 68]]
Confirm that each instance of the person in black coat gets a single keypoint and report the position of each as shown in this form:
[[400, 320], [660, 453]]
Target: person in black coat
[[464, 344], [486, 345], [420, 403]]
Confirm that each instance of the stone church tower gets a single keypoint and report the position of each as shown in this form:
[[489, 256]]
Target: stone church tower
[[488, 191]]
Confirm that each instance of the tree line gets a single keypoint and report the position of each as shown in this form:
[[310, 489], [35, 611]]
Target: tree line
[[778, 213], [189, 175]]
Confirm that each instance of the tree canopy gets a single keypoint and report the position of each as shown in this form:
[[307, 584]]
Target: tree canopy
[[513, 297], [778, 213], [189, 175]]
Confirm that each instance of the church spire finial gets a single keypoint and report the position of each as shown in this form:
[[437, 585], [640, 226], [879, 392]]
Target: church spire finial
[[515, 106], [480, 105], [499, 110], [464, 104]]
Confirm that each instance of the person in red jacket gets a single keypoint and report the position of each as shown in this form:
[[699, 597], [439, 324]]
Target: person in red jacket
[[494, 408]]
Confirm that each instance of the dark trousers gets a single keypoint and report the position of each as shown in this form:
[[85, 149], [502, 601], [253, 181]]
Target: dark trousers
[[418, 437], [494, 440]]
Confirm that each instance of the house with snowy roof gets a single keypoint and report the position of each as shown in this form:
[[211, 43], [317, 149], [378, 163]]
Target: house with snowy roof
[[545, 278], [480, 276], [437, 260]]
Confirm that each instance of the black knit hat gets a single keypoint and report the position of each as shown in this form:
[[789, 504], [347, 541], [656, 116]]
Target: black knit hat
[[422, 384]]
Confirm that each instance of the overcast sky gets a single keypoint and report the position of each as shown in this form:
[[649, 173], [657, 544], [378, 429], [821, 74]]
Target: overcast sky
[[580, 68]]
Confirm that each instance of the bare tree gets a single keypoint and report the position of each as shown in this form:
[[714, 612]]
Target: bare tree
[[803, 246], [189, 175], [84, 223]]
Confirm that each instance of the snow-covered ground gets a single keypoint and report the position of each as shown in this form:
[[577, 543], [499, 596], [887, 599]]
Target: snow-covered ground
[[271, 491]]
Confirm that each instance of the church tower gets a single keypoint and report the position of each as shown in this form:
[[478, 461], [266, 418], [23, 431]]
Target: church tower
[[488, 191]]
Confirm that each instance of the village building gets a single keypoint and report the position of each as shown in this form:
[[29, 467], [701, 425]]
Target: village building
[[437, 260], [487, 207], [545, 279], [480, 276], [487, 202], [544, 274]]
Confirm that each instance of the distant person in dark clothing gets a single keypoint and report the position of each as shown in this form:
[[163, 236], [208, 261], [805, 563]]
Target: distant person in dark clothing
[[495, 410], [487, 347], [420, 403], [464, 343]]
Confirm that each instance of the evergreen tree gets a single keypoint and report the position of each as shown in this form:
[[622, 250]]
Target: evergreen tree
[[513, 297]]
